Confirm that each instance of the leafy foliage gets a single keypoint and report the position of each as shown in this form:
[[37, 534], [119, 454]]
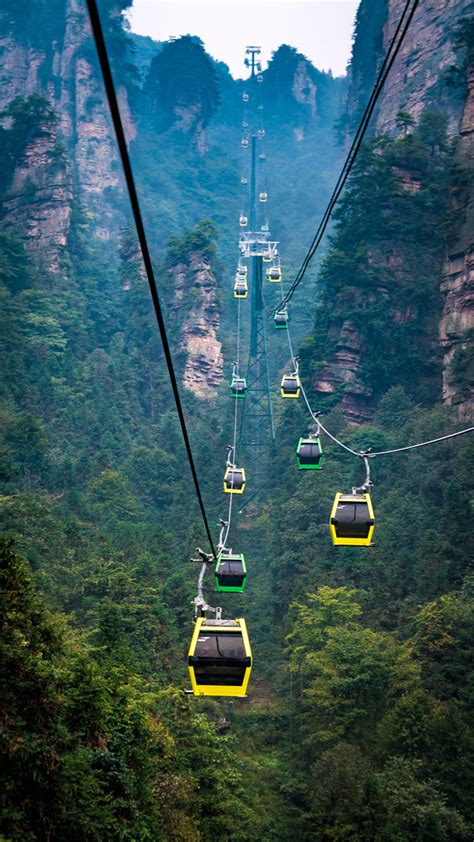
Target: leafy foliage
[[382, 274], [360, 726], [182, 76]]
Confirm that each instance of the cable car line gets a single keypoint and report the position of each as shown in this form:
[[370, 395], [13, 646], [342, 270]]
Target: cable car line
[[135, 205], [219, 657], [421, 443], [357, 141], [199, 602], [369, 454]]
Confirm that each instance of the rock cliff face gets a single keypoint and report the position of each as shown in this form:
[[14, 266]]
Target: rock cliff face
[[62, 68], [304, 88], [189, 121], [366, 50], [195, 308], [418, 81], [74, 158], [295, 93], [341, 376], [84, 117], [37, 203], [457, 323], [418, 77]]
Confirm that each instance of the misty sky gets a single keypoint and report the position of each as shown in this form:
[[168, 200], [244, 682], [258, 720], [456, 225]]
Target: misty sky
[[321, 29]]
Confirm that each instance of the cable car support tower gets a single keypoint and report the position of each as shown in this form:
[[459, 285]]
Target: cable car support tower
[[257, 429]]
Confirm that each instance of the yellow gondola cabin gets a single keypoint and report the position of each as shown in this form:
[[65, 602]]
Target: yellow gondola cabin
[[352, 520], [220, 658], [290, 386], [234, 480]]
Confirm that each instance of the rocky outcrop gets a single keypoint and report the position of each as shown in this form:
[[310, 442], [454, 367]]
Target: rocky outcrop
[[457, 323], [196, 310], [189, 120], [417, 79], [304, 88], [304, 91], [65, 72], [456, 327], [367, 49], [298, 98], [37, 204], [85, 121], [341, 375], [20, 70]]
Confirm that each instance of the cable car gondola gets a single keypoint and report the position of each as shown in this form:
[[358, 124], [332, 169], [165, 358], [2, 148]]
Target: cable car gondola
[[352, 520], [220, 658], [309, 454], [259, 78], [290, 385], [241, 289], [230, 572], [243, 221], [267, 257], [263, 197], [238, 387], [244, 142], [265, 228], [245, 97], [244, 181], [242, 270], [261, 133], [281, 319], [234, 480], [262, 157], [274, 275]]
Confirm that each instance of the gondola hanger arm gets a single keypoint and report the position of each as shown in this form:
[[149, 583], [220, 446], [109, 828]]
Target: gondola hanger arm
[[222, 535], [206, 558], [367, 485], [199, 602]]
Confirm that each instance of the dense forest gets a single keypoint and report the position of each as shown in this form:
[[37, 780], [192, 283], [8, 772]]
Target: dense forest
[[358, 723]]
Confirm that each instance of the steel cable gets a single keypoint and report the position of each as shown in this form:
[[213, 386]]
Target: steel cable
[[133, 196], [367, 453], [357, 141]]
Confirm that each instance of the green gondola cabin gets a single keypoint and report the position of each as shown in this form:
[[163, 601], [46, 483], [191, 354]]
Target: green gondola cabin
[[309, 454], [238, 387], [280, 319], [230, 572]]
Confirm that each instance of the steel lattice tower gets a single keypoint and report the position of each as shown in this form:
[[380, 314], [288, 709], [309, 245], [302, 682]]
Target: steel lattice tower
[[257, 427]]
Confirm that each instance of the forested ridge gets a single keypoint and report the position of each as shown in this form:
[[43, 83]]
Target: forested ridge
[[359, 721]]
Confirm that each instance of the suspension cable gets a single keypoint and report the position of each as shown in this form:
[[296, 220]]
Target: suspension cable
[[366, 454], [421, 443], [132, 192], [225, 532], [402, 28], [314, 416], [383, 73]]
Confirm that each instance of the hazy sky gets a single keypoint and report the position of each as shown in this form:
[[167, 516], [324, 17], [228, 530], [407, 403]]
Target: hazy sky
[[321, 29]]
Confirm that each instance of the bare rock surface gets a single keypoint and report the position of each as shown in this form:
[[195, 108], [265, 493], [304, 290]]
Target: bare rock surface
[[196, 309]]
